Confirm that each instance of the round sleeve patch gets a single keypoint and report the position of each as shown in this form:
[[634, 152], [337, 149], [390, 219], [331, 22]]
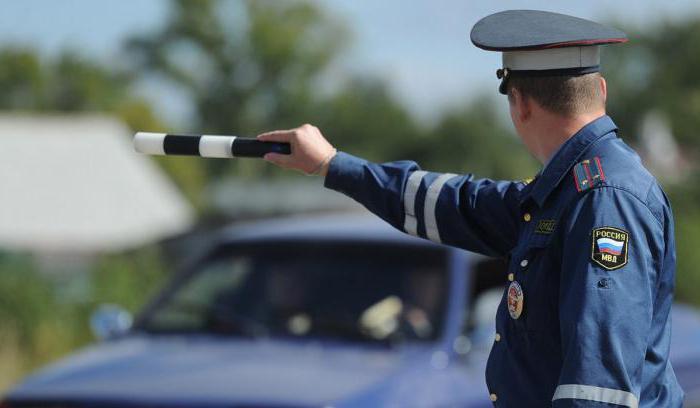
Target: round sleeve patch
[[609, 248]]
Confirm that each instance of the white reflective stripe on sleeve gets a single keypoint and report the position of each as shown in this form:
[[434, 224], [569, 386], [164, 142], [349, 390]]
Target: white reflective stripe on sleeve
[[598, 394], [149, 143], [216, 146], [410, 224], [431, 197]]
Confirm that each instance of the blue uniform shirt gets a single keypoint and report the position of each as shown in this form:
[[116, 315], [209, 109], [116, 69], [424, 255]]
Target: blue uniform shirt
[[584, 320]]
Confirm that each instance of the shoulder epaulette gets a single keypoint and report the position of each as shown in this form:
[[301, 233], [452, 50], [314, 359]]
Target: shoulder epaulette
[[588, 174]]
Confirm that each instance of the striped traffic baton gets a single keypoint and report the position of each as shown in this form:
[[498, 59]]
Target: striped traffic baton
[[205, 145]]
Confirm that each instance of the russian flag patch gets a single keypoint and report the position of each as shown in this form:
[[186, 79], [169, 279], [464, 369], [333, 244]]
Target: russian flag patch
[[609, 248], [588, 173]]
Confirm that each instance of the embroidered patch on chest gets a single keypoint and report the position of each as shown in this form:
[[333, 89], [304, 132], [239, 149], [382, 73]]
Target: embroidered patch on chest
[[609, 247], [545, 226], [588, 173]]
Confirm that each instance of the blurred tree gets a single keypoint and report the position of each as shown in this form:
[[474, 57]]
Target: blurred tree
[[68, 83], [22, 80], [656, 71], [685, 199], [252, 67], [474, 139], [24, 296], [364, 118], [37, 325]]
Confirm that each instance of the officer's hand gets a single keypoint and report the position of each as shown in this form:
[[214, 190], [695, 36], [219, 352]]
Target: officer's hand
[[311, 152]]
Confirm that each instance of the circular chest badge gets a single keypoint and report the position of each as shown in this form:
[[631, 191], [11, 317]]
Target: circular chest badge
[[516, 299]]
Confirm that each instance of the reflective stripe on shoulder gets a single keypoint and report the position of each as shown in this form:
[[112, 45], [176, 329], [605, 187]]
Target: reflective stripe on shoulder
[[431, 197], [598, 394], [410, 224]]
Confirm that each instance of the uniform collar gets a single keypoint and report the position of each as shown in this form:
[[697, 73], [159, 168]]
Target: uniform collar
[[564, 159]]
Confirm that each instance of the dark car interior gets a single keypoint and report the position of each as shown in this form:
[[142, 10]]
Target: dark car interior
[[379, 293]]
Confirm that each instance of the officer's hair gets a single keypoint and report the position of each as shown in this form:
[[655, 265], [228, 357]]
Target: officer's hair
[[563, 95]]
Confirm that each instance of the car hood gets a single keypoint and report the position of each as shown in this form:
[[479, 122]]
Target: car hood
[[180, 370]]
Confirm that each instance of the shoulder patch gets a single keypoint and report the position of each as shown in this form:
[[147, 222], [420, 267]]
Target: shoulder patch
[[588, 174], [609, 247]]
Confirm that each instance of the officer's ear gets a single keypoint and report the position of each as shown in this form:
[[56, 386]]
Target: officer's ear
[[520, 109], [603, 89]]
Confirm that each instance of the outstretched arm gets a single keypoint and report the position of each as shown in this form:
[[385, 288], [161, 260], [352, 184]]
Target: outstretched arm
[[476, 214]]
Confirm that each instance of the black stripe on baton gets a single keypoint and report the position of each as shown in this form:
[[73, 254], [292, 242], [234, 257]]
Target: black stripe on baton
[[181, 144]]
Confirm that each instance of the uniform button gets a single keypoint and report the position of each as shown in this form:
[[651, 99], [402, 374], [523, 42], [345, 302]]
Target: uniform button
[[498, 337], [511, 277], [527, 217], [524, 263], [493, 397]]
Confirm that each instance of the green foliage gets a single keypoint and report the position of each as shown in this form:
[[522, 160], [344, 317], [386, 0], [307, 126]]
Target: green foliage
[[24, 296], [685, 198], [129, 279], [365, 119], [69, 83], [37, 324], [473, 139], [254, 70], [34, 327], [657, 71], [22, 80]]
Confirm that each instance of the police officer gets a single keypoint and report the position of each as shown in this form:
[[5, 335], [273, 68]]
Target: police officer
[[584, 320]]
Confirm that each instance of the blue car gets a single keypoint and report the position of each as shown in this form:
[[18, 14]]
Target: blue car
[[332, 311]]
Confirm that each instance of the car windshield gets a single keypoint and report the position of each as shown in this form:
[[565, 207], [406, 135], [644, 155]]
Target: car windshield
[[349, 291]]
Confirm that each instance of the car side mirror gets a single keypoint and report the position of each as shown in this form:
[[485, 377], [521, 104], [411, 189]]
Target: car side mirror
[[110, 321]]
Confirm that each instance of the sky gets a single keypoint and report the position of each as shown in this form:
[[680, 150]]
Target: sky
[[421, 47]]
